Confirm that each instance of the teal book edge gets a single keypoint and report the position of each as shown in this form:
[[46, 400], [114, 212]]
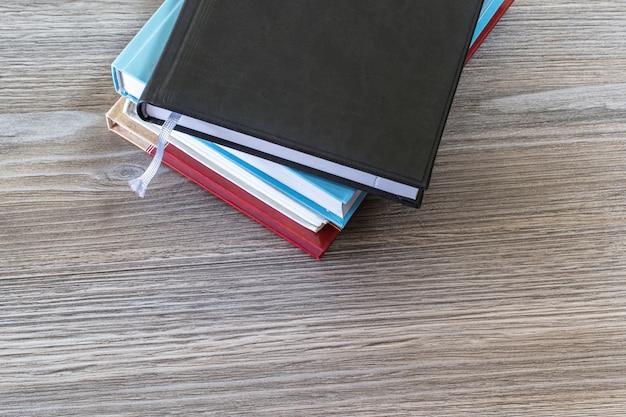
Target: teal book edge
[[320, 183], [489, 9], [132, 69]]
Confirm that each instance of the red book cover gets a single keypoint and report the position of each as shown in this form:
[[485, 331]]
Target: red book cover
[[315, 244]]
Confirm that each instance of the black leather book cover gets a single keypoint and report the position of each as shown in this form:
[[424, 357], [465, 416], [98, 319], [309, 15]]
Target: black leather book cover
[[364, 83]]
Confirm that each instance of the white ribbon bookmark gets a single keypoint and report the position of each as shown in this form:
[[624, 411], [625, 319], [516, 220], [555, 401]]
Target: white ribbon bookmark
[[140, 185]]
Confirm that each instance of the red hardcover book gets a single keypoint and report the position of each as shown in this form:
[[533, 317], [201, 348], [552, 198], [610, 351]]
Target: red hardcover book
[[313, 243]]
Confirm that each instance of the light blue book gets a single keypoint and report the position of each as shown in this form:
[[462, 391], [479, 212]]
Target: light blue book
[[132, 70]]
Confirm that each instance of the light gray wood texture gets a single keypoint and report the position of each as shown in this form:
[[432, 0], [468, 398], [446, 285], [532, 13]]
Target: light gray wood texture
[[505, 294]]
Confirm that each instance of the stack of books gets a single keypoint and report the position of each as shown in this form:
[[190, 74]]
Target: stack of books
[[292, 112]]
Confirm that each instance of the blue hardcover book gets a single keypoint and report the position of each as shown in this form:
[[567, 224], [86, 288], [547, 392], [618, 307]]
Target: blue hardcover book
[[132, 70], [336, 202]]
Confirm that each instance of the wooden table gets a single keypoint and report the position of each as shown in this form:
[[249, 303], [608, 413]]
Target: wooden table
[[505, 294]]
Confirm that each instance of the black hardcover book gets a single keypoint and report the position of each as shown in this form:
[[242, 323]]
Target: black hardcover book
[[357, 90]]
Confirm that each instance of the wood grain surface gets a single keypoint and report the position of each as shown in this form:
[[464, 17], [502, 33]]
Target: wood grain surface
[[505, 294]]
